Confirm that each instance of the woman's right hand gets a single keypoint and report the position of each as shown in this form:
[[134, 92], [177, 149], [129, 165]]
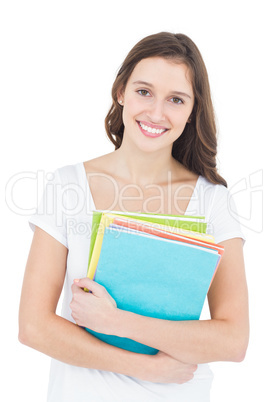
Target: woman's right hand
[[165, 369]]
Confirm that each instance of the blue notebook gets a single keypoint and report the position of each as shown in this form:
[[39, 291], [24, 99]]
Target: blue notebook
[[154, 277]]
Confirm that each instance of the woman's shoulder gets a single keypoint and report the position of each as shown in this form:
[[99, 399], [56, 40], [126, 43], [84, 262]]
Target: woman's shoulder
[[210, 187], [218, 205], [68, 174], [75, 173], [211, 196]]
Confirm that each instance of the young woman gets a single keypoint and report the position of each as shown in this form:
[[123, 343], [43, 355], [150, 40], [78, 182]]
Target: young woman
[[162, 125]]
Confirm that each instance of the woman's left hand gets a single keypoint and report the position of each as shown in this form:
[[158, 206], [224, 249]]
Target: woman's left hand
[[93, 310]]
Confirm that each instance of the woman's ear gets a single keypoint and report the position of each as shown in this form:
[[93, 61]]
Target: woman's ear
[[120, 98]]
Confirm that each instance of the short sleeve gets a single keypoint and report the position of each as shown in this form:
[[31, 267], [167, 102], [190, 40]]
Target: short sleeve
[[49, 214], [223, 221]]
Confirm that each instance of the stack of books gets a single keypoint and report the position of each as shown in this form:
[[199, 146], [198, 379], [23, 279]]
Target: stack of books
[[155, 265]]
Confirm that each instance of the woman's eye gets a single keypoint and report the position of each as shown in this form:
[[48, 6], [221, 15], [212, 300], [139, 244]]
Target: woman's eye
[[177, 100], [143, 92]]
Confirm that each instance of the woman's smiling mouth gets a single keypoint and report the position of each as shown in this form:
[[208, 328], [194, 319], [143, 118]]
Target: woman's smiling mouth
[[151, 130]]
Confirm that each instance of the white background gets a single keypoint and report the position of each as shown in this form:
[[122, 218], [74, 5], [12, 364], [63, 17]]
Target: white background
[[58, 63]]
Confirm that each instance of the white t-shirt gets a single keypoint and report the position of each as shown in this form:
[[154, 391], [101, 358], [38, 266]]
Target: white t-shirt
[[65, 212]]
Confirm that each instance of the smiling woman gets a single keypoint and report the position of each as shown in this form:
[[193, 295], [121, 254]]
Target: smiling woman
[[196, 148], [155, 106], [162, 125]]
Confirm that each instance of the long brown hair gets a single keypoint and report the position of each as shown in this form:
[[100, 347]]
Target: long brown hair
[[196, 148]]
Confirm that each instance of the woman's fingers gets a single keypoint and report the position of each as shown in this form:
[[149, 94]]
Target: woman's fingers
[[92, 310], [95, 288]]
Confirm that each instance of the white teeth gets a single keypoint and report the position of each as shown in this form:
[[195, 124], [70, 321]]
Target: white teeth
[[152, 130]]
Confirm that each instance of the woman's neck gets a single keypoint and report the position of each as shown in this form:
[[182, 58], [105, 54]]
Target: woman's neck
[[144, 168]]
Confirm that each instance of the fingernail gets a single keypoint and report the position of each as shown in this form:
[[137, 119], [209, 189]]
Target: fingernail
[[76, 280]]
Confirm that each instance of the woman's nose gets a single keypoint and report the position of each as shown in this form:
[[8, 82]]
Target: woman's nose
[[156, 111]]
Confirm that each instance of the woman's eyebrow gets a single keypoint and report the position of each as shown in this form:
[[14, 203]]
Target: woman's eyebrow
[[151, 85]]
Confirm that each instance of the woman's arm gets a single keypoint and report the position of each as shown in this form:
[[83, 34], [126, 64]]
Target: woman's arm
[[42, 329], [224, 337]]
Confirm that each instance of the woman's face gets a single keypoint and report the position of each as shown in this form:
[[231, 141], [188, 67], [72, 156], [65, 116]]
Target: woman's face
[[158, 101]]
